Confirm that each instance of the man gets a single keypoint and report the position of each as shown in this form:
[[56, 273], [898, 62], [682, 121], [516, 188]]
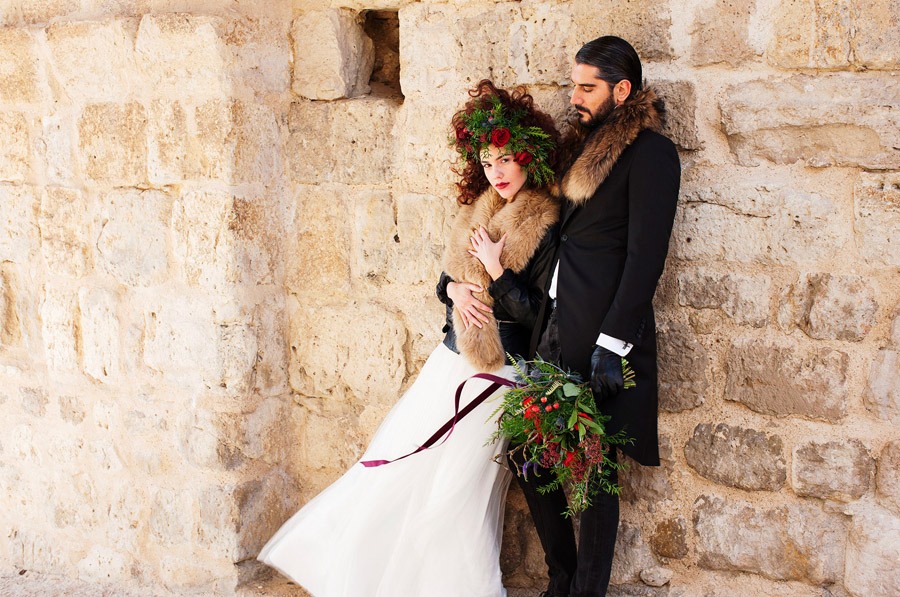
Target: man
[[621, 191]]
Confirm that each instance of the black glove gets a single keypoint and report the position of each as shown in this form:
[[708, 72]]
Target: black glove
[[606, 374]]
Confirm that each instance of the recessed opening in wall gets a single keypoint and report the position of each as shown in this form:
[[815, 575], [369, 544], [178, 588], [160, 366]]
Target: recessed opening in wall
[[383, 27]]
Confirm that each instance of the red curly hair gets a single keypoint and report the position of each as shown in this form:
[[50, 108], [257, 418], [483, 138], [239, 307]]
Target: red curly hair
[[472, 181]]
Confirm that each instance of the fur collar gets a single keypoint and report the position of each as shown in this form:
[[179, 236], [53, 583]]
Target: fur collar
[[601, 151], [525, 221]]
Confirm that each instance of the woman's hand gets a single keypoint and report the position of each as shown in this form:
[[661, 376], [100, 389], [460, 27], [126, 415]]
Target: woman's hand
[[470, 308], [487, 251]]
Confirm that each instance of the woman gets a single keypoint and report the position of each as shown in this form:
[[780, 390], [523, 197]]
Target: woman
[[431, 524]]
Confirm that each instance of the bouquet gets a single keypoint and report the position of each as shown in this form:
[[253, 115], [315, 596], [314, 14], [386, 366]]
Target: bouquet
[[552, 422]]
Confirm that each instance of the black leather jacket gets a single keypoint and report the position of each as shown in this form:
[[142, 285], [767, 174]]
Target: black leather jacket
[[517, 299]]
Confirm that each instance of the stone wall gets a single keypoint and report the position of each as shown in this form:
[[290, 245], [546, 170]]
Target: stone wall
[[220, 234]]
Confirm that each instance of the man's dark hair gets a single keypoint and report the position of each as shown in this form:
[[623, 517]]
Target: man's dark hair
[[615, 58]]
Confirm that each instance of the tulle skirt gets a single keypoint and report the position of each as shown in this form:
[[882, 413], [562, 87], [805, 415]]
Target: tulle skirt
[[426, 526]]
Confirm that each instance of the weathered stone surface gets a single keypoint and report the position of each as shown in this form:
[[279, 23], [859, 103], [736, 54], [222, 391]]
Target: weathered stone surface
[[92, 59], [832, 120], [877, 209], [260, 50], [669, 539], [322, 134], [375, 237], [419, 158], [682, 369], [65, 231], [720, 33], [707, 232], [681, 110], [182, 55], [778, 378], [58, 330], [872, 554], [633, 555], [172, 516], [42, 12], [99, 327], [15, 150], [133, 242], [645, 24], [180, 342], [737, 456], [656, 576], [794, 542], [34, 401], [256, 157], [746, 299], [56, 147], [103, 564], [882, 395], [171, 156], [805, 230], [832, 307], [21, 78], [18, 223], [649, 484], [336, 57], [876, 25], [321, 243], [887, 481], [837, 470], [200, 241], [71, 409], [237, 355], [10, 321], [422, 227], [539, 44], [114, 143]]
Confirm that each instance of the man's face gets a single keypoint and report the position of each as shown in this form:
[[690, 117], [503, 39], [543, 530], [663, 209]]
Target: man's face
[[591, 95]]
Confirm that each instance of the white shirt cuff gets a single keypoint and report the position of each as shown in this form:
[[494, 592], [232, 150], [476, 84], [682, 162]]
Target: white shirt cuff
[[620, 347]]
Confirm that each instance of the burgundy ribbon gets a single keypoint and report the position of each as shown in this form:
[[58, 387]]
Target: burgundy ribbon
[[458, 415]]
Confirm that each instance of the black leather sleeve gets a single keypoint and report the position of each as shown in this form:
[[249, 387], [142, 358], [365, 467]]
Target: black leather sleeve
[[441, 289]]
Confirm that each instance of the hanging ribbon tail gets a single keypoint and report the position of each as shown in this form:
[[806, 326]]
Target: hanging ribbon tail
[[458, 415]]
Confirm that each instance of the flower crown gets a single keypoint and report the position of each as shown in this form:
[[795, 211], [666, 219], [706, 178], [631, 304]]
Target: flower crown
[[490, 123]]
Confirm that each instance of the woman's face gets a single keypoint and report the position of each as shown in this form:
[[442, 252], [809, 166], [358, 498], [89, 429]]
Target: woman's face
[[504, 174]]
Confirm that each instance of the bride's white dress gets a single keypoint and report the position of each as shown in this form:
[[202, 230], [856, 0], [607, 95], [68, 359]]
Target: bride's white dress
[[426, 526]]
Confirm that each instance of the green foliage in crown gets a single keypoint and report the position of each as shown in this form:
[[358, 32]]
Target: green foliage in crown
[[491, 123]]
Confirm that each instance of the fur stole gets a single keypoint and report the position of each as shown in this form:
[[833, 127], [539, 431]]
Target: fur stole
[[604, 146], [526, 221]]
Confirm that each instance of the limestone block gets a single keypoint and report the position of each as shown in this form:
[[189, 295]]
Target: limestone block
[[99, 327], [876, 199], [10, 321], [172, 516], [374, 237], [424, 158], [260, 51], [34, 401], [19, 232], [257, 153], [744, 298], [682, 369], [212, 147], [38, 551], [79, 510], [106, 565], [882, 395], [44, 11], [669, 539], [171, 156], [133, 242], [873, 551], [656, 576], [202, 439], [876, 23], [887, 481], [21, 70], [704, 231], [200, 241], [461, 49], [92, 60], [681, 109], [65, 231], [113, 142], [737, 456], [333, 57], [792, 542], [180, 341], [183, 55], [71, 409], [835, 307], [645, 24], [783, 379], [237, 356], [15, 148], [720, 33], [839, 119], [56, 147], [633, 555], [319, 263], [58, 330], [422, 227], [324, 358], [539, 44], [648, 484], [348, 141], [836, 470]]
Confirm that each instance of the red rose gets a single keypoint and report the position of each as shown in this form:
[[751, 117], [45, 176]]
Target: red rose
[[522, 158], [500, 137]]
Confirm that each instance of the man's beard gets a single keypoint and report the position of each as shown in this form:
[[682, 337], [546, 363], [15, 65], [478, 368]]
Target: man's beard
[[599, 117]]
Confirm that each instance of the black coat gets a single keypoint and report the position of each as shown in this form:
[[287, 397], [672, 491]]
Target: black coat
[[612, 250]]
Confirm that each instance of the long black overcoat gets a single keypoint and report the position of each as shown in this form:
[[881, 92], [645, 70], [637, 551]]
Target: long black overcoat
[[612, 250]]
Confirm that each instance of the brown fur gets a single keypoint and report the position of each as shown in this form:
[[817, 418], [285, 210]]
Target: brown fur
[[525, 220], [643, 110]]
